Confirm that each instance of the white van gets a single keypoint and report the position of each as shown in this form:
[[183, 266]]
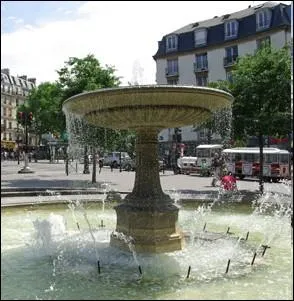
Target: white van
[[205, 154], [186, 165], [112, 158]]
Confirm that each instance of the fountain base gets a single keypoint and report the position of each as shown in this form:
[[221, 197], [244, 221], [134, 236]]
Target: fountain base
[[153, 229]]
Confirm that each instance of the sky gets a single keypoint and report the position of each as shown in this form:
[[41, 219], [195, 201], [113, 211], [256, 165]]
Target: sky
[[38, 37]]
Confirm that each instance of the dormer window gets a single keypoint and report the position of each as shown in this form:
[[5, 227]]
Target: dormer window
[[263, 19], [231, 29], [200, 37], [171, 43]]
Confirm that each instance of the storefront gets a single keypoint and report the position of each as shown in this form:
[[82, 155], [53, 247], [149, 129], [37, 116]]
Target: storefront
[[8, 145]]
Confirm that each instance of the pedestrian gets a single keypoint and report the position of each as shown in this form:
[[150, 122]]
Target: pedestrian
[[100, 162], [228, 182], [216, 169]]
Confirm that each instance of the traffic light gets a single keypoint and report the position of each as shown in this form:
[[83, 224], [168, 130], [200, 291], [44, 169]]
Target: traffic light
[[20, 116], [30, 116]]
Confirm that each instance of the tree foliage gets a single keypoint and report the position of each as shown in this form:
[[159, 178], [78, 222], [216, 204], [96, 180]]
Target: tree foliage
[[262, 90], [44, 103], [220, 121], [80, 75]]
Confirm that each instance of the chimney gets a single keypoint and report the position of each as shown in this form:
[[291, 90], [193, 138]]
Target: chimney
[[6, 71], [23, 77], [32, 80]]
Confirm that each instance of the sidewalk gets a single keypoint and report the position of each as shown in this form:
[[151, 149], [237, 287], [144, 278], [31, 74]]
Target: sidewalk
[[50, 180]]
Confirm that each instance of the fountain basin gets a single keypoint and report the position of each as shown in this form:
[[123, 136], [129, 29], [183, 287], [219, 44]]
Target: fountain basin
[[156, 106], [65, 266]]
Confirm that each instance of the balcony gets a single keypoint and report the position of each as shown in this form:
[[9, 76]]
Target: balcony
[[230, 60], [171, 73], [200, 67]]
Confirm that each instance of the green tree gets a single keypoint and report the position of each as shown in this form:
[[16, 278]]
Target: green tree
[[262, 90], [81, 75], [44, 102], [220, 121]]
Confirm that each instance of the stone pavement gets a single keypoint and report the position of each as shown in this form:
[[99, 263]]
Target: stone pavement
[[50, 179]]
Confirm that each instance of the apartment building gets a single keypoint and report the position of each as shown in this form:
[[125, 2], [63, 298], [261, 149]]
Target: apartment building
[[205, 51], [14, 90]]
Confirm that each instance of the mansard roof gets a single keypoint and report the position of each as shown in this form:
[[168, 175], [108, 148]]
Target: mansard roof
[[16, 81], [281, 16]]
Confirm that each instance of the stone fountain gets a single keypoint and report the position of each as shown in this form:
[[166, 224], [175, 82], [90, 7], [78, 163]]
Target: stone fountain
[[148, 215]]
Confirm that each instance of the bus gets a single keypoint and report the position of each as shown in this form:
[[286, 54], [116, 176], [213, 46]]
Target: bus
[[205, 154], [244, 162]]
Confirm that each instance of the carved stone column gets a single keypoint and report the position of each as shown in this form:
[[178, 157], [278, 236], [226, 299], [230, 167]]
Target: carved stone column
[[148, 215]]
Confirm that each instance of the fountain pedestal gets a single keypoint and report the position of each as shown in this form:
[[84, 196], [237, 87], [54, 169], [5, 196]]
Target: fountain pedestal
[[148, 214], [153, 231]]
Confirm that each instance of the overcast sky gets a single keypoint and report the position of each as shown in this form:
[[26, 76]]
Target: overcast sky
[[37, 37]]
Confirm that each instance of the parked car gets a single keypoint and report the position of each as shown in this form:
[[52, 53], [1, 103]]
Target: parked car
[[113, 158], [130, 165]]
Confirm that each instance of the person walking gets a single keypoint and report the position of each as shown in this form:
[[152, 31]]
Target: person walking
[[229, 182], [100, 162], [216, 169]]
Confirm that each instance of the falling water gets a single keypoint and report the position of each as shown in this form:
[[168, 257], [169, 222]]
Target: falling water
[[92, 235]]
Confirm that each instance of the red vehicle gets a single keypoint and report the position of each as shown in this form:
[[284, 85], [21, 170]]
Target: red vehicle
[[244, 162]]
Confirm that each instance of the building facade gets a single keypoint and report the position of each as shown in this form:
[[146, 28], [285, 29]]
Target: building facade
[[205, 51], [14, 90]]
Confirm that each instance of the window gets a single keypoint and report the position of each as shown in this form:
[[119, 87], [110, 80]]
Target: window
[[229, 76], [263, 19], [231, 29], [10, 125], [284, 158], [231, 51], [203, 153], [172, 67], [231, 54], [171, 43], [271, 158], [266, 41], [200, 37], [201, 61], [172, 81], [201, 80]]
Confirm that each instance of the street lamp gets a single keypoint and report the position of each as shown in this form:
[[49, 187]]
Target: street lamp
[[25, 119]]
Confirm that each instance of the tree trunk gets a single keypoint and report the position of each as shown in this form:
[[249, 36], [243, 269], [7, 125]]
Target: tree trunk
[[260, 141], [94, 166], [86, 161]]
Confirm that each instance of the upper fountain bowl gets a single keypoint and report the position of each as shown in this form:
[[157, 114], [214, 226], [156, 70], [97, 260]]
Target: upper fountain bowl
[[157, 106]]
